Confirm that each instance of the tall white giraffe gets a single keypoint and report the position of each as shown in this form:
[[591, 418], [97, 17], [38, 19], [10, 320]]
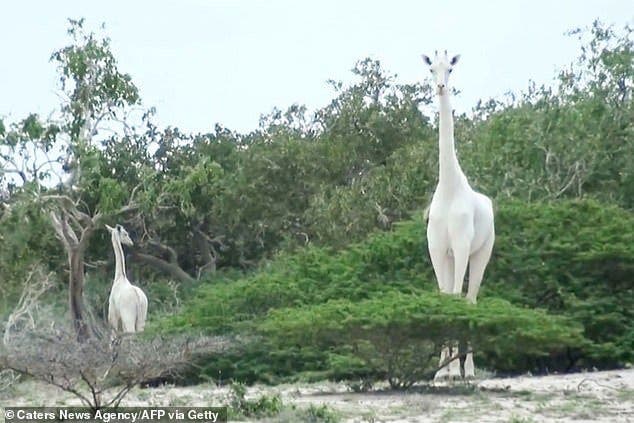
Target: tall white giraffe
[[127, 304], [460, 230]]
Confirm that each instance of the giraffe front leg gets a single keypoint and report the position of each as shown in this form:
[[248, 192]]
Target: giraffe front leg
[[461, 233], [113, 317], [443, 372], [454, 365], [469, 368], [477, 264], [461, 260]]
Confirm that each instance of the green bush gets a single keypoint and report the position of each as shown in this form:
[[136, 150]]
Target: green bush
[[572, 258], [319, 414], [263, 406], [386, 262], [399, 336]]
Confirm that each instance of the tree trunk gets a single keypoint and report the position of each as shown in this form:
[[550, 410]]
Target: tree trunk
[[76, 294], [207, 253]]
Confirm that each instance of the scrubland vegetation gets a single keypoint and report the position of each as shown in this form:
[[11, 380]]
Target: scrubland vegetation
[[302, 245]]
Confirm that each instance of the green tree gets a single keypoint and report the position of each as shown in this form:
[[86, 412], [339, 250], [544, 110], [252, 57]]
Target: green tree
[[96, 94]]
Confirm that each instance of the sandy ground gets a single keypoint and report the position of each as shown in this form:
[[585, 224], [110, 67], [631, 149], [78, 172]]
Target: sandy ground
[[581, 397]]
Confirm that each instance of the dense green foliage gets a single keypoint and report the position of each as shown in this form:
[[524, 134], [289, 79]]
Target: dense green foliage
[[574, 258], [270, 235], [398, 336], [547, 255]]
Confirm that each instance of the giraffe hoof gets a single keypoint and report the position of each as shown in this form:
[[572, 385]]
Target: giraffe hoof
[[440, 378]]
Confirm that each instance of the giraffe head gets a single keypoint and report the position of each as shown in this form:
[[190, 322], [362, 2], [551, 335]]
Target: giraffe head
[[121, 234], [440, 69]]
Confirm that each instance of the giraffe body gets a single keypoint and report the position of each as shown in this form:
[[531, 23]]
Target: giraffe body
[[127, 305]]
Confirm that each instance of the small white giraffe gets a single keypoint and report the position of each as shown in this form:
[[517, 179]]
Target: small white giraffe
[[460, 230], [127, 307]]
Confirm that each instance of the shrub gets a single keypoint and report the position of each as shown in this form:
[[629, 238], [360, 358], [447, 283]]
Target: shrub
[[572, 258], [385, 262], [263, 406], [399, 336], [319, 414]]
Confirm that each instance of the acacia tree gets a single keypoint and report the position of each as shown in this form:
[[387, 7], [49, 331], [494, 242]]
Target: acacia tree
[[97, 96], [57, 161]]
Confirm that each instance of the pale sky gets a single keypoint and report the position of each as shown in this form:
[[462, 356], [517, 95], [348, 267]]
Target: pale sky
[[229, 61]]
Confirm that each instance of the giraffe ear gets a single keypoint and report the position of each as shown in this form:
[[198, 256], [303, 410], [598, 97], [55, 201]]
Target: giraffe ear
[[426, 59], [454, 59], [110, 228]]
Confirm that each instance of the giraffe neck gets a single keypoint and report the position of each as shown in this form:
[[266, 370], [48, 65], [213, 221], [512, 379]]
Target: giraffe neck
[[119, 272], [450, 173]]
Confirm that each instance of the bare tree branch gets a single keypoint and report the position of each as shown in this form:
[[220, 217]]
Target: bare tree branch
[[166, 249], [35, 285], [164, 266], [88, 369], [59, 230]]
